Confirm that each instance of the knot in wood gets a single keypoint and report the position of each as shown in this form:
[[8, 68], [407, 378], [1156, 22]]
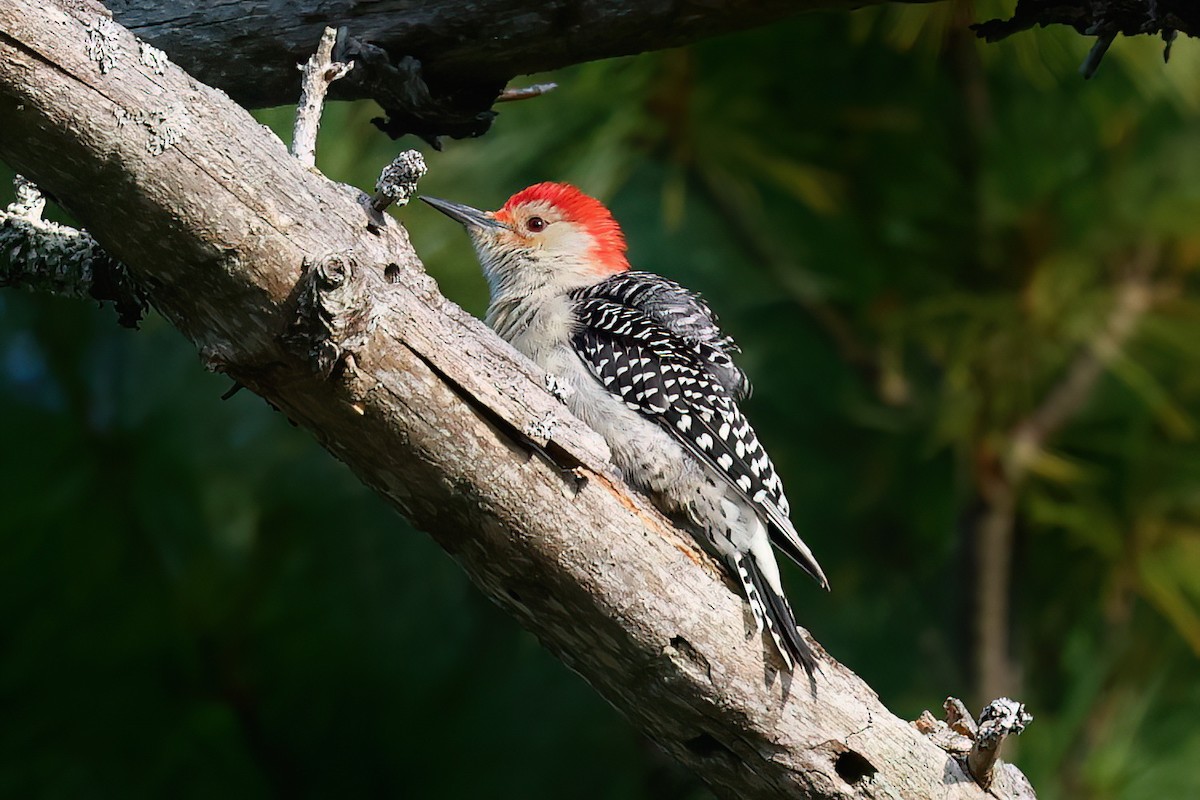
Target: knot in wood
[[334, 313]]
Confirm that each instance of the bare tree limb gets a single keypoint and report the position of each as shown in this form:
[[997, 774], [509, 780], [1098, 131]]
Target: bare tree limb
[[459, 42], [238, 244], [437, 67]]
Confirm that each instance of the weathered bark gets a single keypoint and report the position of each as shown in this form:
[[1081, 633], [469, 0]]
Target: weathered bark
[[227, 232], [459, 42], [488, 42], [437, 67]]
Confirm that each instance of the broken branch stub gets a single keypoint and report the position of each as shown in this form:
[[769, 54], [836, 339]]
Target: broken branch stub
[[398, 182], [999, 720], [976, 746]]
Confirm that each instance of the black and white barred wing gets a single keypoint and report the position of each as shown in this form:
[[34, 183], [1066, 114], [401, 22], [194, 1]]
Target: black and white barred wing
[[681, 313], [658, 375]]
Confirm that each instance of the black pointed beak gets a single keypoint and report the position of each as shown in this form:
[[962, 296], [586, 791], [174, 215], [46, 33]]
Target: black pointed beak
[[470, 217]]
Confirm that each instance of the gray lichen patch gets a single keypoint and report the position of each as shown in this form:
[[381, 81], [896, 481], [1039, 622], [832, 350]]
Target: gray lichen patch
[[150, 56], [166, 126], [558, 387], [103, 42], [542, 430]]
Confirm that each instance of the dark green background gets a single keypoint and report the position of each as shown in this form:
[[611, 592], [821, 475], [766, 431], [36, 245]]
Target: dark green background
[[196, 601]]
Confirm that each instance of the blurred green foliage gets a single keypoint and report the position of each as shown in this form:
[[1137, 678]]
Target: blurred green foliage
[[912, 235]]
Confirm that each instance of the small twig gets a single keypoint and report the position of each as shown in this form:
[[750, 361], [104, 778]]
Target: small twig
[[319, 72], [998, 721], [1090, 64], [526, 92]]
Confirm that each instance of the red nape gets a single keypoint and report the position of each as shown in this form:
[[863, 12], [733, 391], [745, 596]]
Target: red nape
[[584, 210]]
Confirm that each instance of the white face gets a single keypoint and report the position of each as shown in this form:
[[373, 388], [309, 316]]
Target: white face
[[536, 247]]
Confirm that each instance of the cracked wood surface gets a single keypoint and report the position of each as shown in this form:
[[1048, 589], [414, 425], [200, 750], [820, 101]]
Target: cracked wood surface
[[218, 222]]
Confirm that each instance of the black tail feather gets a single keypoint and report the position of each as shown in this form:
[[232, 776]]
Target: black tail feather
[[781, 620]]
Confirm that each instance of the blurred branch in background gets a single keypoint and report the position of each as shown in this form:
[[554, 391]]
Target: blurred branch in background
[[1132, 298], [1001, 477]]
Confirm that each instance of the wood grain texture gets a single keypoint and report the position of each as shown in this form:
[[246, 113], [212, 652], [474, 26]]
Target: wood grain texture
[[218, 222]]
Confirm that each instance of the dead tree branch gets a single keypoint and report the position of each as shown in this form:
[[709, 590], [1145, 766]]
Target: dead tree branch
[[459, 43], [43, 256], [436, 67], [238, 243], [1104, 19]]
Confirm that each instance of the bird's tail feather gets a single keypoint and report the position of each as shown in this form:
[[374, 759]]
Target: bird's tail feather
[[771, 608]]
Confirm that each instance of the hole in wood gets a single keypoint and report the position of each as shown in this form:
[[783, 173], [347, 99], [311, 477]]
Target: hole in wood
[[706, 746], [853, 768]]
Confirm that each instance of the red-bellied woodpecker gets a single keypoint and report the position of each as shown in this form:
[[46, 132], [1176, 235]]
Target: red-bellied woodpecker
[[641, 361]]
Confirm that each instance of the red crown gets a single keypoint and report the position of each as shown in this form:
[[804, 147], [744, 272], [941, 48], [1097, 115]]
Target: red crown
[[583, 210]]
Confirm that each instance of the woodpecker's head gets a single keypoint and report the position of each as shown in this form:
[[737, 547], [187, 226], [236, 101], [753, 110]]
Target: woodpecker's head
[[550, 234]]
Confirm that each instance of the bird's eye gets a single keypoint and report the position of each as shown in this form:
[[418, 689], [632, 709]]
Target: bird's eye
[[536, 224]]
